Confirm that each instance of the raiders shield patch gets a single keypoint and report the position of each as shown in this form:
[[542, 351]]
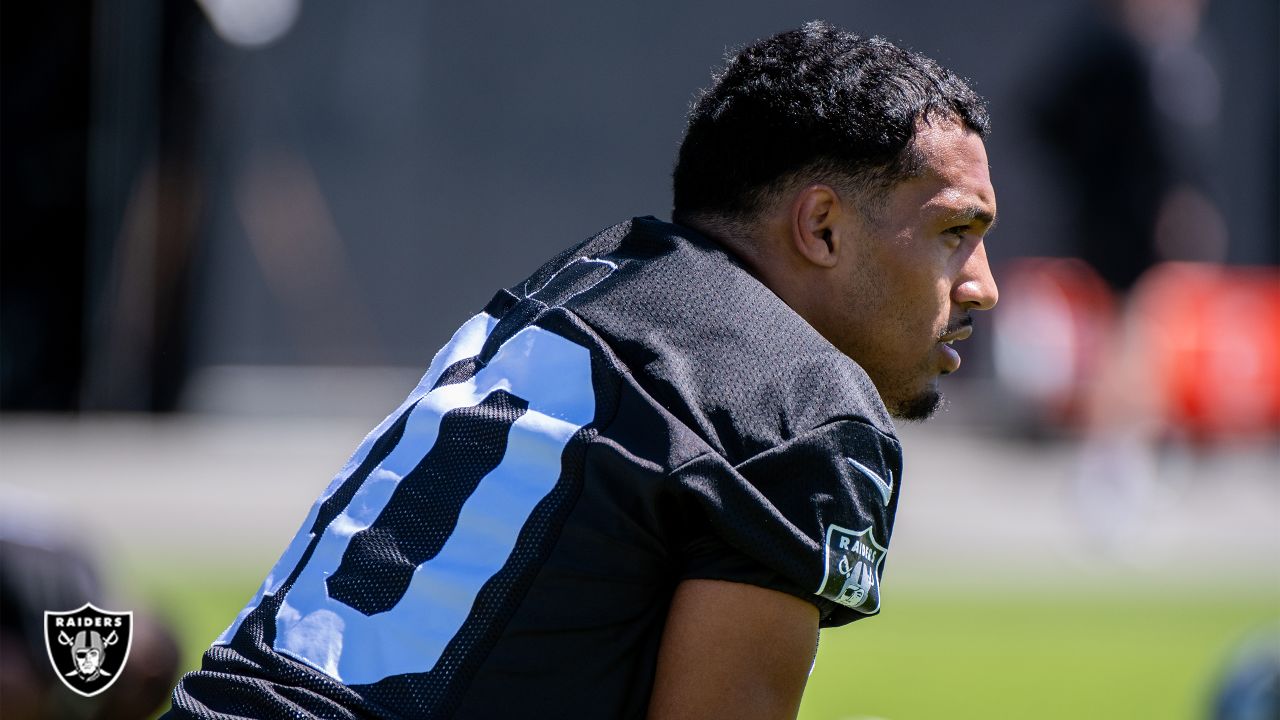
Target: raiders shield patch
[[854, 565], [88, 646]]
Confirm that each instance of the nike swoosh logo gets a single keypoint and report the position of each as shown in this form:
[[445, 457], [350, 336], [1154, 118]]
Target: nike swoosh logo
[[885, 488]]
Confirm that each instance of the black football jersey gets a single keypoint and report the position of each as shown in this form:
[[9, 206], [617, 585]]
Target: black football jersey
[[640, 411]]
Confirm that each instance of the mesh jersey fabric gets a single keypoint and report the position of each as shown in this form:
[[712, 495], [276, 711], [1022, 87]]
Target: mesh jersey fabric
[[639, 411]]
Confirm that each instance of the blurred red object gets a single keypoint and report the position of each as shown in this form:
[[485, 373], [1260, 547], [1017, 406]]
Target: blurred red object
[[1197, 350], [1053, 324], [1211, 335]]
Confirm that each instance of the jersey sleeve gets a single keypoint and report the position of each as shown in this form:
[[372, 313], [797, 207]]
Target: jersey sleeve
[[811, 517]]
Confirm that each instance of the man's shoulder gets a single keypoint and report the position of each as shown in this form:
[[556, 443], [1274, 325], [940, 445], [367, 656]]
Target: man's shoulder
[[702, 336]]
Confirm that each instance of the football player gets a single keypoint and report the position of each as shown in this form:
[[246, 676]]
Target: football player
[[639, 481]]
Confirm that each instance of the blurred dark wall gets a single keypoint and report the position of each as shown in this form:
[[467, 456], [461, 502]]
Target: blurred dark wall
[[44, 116], [350, 192], [99, 125]]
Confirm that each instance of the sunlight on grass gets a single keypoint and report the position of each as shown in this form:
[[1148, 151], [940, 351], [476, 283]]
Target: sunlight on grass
[[936, 653]]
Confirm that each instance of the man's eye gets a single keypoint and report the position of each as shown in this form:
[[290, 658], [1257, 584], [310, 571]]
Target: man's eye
[[956, 234]]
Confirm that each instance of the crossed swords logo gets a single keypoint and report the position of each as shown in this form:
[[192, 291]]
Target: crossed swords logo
[[88, 647]]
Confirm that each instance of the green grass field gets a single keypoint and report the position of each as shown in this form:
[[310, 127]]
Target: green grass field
[[949, 653], [1149, 654]]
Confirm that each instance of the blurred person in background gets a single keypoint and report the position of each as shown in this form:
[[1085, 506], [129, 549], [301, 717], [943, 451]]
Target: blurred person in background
[[1248, 687], [45, 565], [1129, 111]]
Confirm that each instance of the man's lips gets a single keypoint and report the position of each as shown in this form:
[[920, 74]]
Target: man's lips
[[960, 334], [951, 358]]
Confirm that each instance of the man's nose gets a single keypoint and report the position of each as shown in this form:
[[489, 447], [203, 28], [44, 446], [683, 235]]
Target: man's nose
[[976, 289]]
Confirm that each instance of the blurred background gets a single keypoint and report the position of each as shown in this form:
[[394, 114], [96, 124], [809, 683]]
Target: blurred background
[[234, 232]]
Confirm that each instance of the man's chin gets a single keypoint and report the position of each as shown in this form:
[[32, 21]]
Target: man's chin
[[919, 408]]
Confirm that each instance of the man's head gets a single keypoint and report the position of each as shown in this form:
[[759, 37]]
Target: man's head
[[850, 175]]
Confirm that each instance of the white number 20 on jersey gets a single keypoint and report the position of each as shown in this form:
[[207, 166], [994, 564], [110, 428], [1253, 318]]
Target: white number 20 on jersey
[[551, 374]]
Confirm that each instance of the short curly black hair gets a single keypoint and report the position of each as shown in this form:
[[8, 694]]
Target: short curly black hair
[[815, 103]]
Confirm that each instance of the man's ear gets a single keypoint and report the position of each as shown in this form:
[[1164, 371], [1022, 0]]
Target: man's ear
[[814, 231]]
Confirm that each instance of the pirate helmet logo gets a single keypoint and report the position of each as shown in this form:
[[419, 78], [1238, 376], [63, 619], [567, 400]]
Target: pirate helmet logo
[[88, 647], [854, 564]]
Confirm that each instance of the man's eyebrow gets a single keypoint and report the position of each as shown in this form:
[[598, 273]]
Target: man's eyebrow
[[970, 213]]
